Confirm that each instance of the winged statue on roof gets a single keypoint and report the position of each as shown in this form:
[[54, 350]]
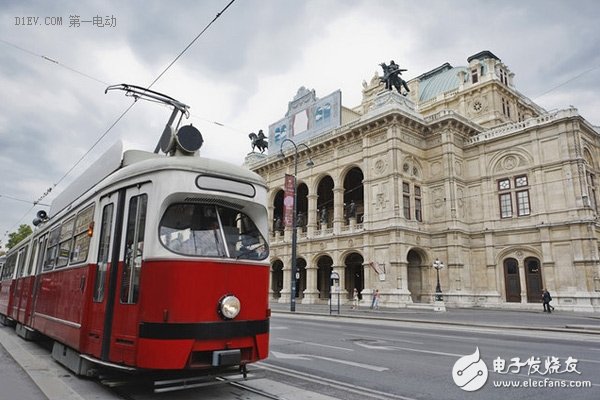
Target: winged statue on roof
[[392, 77]]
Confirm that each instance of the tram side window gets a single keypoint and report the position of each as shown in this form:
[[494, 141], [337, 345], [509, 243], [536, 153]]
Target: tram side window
[[52, 249], [21, 262], [40, 257], [64, 247], [103, 252], [32, 258], [82, 235], [134, 246], [9, 267]]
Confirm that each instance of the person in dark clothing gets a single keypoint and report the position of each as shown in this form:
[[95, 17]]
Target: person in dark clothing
[[546, 299]]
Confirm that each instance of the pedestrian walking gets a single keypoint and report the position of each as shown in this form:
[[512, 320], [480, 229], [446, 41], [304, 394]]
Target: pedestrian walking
[[375, 301], [546, 299], [355, 299]]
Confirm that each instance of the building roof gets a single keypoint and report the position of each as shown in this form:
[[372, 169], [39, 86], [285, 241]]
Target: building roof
[[439, 80]]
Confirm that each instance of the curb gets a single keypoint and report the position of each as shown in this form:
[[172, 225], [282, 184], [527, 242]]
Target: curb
[[567, 328]]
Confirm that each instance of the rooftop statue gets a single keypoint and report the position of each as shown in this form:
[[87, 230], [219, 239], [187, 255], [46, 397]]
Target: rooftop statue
[[392, 79], [259, 141]]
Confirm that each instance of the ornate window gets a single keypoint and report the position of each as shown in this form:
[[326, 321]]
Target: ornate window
[[406, 199], [418, 208], [412, 198], [520, 192], [474, 75]]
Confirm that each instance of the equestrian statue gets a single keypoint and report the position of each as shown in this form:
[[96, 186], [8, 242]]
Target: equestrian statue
[[259, 141]]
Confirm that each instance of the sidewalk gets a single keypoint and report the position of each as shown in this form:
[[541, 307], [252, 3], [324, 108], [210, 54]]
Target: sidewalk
[[560, 321]]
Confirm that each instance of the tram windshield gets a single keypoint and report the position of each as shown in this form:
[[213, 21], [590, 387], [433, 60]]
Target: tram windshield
[[208, 230]]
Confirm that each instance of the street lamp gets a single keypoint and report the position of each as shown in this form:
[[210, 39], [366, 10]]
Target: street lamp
[[437, 264], [294, 222]]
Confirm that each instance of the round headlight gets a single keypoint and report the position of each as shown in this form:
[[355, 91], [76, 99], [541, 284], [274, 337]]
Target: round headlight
[[229, 307]]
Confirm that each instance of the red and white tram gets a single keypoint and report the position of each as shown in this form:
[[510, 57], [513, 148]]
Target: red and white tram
[[148, 262]]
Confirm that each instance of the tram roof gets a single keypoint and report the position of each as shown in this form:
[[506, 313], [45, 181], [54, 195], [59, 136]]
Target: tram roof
[[115, 166]]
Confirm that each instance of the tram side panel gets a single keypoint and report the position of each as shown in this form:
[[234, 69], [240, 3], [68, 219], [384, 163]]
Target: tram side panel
[[6, 297], [24, 299], [60, 303]]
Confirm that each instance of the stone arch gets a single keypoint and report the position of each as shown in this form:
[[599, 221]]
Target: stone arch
[[302, 205], [324, 268], [505, 162], [417, 260], [301, 280], [411, 167], [589, 158], [529, 281], [354, 275], [354, 194], [324, 190], [519, 252], [276, 200], [276, 278]]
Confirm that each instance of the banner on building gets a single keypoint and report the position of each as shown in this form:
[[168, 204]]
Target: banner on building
[[288, 200], [379, 269]]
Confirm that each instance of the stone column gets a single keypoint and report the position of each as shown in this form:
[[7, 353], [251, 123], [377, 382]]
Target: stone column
[[311, 294], [287, 280], [522, 281], [338, 209], [402, 292], [312, 215]]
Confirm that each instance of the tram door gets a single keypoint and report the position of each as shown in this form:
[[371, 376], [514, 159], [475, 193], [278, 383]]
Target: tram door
[[126, 296], [98, 314], [116, 288]]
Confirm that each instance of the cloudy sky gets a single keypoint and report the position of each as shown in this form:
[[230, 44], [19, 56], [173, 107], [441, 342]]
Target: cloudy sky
[[240, 74]]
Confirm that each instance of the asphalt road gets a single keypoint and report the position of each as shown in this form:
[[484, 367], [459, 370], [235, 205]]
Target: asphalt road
[[359, 359], [323, 357]]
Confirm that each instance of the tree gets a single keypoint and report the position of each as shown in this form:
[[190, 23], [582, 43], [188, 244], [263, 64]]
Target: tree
[[15, 237]]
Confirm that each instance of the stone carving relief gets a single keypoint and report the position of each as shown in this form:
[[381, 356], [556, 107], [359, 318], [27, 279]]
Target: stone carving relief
[[378, 138], [350, 148], [323, 158], [438, 202], [436, 168], [380, 166], [411, 167], [510, 162], [458, 168], [460, 197]]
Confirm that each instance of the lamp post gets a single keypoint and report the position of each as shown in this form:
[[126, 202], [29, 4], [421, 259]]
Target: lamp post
[[437, 264], [294, 222]]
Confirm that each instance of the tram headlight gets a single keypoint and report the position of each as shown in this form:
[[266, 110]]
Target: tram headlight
[[229, 307]]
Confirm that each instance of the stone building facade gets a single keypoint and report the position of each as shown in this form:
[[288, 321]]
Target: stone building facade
[[463, 169]]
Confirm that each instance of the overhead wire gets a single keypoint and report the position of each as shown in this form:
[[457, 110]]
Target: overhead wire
[[566, 82], [24, 201], [54, 62]]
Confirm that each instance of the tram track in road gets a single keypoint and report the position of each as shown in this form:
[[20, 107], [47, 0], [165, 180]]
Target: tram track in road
[[144, 388], [348, 390], [247, 388]]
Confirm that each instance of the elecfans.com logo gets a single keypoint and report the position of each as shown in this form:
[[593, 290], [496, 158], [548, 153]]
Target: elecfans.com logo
[[470, 372]]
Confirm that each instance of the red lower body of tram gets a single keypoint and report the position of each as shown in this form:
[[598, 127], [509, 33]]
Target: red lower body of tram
[[174, 324]]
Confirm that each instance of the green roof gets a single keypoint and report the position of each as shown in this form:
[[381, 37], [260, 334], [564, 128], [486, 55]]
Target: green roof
[[440, 80]]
